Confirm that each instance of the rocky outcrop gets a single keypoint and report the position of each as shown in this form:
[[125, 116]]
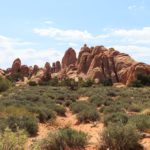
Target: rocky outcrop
[[101, 63], [24, 70], [98, 63], [69, 58], [58, 66], [35, 70], [47, 67], [16, 66]]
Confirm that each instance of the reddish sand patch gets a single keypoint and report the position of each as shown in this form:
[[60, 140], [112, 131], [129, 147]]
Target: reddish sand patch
[[92, 129], [83, 98], [146, 143]]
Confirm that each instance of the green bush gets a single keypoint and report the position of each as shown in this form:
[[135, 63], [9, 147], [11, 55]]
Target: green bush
[[32, 83], [144, 79], [60, 110], [63, 139], [134, 108], [13, 140], [87, 83], [119, 138], [107, 82], [28, 123], [77, 107], [141, 122], [141, 80], [99, 100], [4, 84], [3, 124], [136, 83], [88, 115], [112, 109], [15, 77], [44, 114], [117, 118]]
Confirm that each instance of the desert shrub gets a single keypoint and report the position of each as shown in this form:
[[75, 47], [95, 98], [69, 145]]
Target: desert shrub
[[87, 83], [144, 79], [66, 82], [141, 80], [32, 83], [15, 77], [73, 85], [54, 81], [67, 103], [112, 109], [44, 114], [4, 84], [136, 83], [60, 110], [13, 117], [3, 124], [111, 94], [107, 82], [119, 138], [13, 140], [97, 100], [30, 124], [77, 107], [117, 118], [141, 122], [44, 83], [88, 115], [134, 108], [63, 139]]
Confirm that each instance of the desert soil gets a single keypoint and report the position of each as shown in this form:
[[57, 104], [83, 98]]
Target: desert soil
[[92, 129]]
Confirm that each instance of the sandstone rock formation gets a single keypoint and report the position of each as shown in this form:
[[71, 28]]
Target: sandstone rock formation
[[16, 66], [98, 63], [58, 66], [24, 70], [102, 64], [69, 58], [47, 67]]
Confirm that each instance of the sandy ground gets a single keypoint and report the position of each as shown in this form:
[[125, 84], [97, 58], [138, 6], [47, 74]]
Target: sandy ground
[[93, 129], [146, 143]]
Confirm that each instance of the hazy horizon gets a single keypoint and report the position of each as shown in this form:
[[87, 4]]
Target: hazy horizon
[[39, 32]]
